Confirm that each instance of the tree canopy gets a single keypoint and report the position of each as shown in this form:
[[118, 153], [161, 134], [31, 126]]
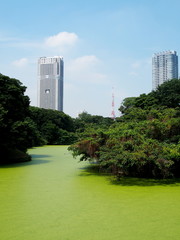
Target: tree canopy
[[166, 95], [22, 126], [54, 127], [144, 141], [14, 108]]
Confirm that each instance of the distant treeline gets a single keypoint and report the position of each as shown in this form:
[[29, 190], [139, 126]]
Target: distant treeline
[[23, 126], [143, 142]]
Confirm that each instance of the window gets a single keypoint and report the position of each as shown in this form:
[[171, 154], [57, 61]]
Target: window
[[47, 91]]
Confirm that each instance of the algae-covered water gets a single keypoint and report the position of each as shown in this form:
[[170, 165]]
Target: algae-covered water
[[54, 197]]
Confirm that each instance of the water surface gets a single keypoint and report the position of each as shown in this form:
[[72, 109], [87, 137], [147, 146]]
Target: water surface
[[54, 197]]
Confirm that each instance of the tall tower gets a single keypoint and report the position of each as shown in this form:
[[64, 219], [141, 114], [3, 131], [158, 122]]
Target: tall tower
[[113, 116], [164, 67], [50, 83]]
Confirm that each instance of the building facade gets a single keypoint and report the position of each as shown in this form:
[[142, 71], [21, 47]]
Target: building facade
[[50, 83], [164, 67]]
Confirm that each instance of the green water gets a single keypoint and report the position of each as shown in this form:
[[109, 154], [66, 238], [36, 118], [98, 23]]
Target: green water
[[54, 197]]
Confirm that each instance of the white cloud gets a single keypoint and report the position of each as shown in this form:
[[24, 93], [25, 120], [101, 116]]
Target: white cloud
[[83, 63], [61, 39], [89, 59], [86, 69], [20, 62]]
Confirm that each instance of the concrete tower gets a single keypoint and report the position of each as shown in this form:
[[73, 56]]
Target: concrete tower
[[50, 83], [164, 67]]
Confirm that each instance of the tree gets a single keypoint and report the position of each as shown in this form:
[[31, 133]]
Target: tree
[[144, 142], [126, 104], [168, 94], [54, 127], [14, 108], [87, 118], [146, 101]]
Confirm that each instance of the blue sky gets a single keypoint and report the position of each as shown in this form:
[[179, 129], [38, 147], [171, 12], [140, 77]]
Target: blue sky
[[105, 44]]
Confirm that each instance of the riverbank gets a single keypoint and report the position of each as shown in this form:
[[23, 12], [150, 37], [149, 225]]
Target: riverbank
[[56, 197], [13, 156]]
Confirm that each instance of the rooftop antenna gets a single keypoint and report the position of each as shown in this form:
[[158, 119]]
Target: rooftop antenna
[[113, 112]]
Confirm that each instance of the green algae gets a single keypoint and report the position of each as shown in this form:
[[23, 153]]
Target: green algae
[[55, 197]]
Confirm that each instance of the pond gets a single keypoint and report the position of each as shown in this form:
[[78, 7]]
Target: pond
[[54, 197]]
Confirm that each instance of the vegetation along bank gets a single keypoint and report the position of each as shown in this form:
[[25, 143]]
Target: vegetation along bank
[[143, 142]]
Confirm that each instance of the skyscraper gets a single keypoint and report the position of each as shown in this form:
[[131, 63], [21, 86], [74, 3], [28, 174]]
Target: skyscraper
[[164, 67], [50, 83]]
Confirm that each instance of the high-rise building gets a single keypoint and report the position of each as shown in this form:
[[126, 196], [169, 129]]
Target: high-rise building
[[164, 67], [50, 83]]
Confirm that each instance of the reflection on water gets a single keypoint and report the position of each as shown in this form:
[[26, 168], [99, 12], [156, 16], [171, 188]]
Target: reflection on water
[[56, 197]]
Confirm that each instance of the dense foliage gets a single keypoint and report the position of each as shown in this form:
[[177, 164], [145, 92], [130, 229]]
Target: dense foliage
[[54, 127], [144, 142], [86, 124], [14, 125], [22, 126]]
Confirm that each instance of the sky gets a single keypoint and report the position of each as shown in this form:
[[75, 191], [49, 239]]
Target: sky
[[107, 46]]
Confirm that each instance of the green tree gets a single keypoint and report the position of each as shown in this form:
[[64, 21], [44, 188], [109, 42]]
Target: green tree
[[168, 94], [146, 101], [14, 108], [127, 104], [54, 127], [143, 142]]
